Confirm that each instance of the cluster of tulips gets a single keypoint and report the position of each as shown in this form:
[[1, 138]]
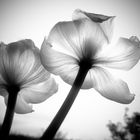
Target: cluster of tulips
[[79, 51]]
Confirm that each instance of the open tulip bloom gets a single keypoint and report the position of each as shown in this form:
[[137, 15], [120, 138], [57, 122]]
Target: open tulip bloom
[[23, 79], [78, 52]]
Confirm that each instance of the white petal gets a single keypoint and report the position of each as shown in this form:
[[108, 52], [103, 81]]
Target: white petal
[[20, 46], [79, 14], [71, 75], [22, 107], [21, 55], [109, 87], [24, 62], [37, 73], [105, 22], [2, 81], [61, 64], [91, 37], [4, 63], [107, 27], [54, 61], [65, 38], [124, 55], [7, 70], [20, 63], [77, 38], [3, 91], [29, 66], [40, 92]]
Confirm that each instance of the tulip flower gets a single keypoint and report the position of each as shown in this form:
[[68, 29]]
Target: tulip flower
[[23, 79], [79, 52]]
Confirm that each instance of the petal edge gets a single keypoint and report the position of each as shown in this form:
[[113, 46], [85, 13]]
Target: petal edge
[[111, 88]]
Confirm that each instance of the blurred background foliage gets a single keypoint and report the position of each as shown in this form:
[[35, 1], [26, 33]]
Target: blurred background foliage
[[127, 130], [130, 130]]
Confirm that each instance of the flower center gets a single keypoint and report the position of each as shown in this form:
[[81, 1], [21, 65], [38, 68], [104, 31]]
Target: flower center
[[12, 88], [86, 63]]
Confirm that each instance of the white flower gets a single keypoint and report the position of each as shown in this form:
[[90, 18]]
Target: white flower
[[105, 22], [22, 71], [83, 42]]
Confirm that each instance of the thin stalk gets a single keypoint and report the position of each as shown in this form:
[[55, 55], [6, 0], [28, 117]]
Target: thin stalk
[[61, 114], [6, 126]]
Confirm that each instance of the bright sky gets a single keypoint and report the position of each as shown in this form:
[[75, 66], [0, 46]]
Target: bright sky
[[88, 117]]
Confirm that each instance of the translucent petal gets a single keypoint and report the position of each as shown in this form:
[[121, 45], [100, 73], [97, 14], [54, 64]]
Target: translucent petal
[[124, 55], [24, 62], [20, 59], [69, 78], [109, 87], [78, 38], [30, 67], [60, 64], [91, 37], [105, 22], [37, 73], [2, 81], [20, 46], [22, 107], [3, 92], [54, 61], [4, 64], [40, 92], [20, 63], [79, 14], [65, 38]]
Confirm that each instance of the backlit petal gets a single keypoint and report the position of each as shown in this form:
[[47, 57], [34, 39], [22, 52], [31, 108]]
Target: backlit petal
[[78, 38], [91, 37], [109, 87], [70, 77], [21, 56], [20, 46], [79, 14], [4, 64], [24, 62], [3, 91], [20, 63], [65, 38], [56, 62], [60, 64], [22, 107], [32, 71], [124, 55], [37, 73], [105, 22], [40, 92], [2, 81]]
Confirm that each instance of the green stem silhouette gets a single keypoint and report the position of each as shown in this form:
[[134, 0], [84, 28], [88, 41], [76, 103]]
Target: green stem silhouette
[[61, 114], [6, 126]]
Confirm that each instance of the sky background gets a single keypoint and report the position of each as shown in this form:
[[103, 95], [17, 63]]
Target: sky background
[[88, 117]]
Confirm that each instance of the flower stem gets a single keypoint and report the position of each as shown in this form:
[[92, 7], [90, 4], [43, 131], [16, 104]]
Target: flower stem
[[61, 114], [6, 126]]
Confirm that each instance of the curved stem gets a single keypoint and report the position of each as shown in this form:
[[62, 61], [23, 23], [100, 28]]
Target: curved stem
[[6, 126], [61, 114]]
